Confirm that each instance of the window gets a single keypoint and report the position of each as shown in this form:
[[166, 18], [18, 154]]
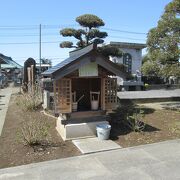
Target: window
[[127, 61]]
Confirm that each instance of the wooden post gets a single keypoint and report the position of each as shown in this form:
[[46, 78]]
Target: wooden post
[[32, 78]]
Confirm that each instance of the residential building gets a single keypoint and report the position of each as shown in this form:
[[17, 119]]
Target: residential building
[[132, 59]]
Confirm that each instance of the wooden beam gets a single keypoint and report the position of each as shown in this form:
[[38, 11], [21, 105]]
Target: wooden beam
[[109, 67]]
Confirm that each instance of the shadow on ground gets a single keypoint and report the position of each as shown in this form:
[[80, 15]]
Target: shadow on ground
[[119, 124], [171, 106], [122, 129]]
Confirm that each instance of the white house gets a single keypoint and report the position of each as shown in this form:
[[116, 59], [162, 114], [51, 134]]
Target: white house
[[132, 58]]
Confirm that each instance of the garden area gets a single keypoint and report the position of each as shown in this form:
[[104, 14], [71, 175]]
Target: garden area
[[134, 125], [29, 136]]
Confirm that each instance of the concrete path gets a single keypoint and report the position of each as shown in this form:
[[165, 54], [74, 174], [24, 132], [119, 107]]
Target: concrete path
[[5, 95], [147, 162], [149, 94], [92, 145]]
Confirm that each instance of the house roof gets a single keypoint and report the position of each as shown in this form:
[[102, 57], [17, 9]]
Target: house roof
[[8, 60], [82, 57], [73, 56], [129, 45], [2, 61]]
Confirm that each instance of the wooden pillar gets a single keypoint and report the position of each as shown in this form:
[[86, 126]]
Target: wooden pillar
[[29, 74], [102, 94]]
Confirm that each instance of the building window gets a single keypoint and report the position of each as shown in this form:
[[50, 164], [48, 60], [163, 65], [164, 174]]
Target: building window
[[127, 61]]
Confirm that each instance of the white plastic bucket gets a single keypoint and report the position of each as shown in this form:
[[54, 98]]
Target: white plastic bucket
[[74, 106], [103, 131], [94, 105]]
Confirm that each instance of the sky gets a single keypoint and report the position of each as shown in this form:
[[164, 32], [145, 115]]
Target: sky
[[125, 21]]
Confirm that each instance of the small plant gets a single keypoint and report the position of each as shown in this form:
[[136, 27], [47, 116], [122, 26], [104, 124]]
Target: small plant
[[124, 110], [146, 86], [33, 133], [130, 115], [29, 101], [135, 121]]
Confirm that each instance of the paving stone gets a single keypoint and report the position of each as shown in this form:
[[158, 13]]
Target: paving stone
[[91, 145]]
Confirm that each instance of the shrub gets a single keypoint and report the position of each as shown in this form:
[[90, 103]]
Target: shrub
[[33, 133], [29, 102], [130, 115], [135, 121]]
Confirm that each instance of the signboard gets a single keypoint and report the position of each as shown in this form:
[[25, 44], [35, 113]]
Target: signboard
[[88, 70]]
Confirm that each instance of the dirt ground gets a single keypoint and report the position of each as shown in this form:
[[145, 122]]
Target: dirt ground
[[13, 153], [160, 125]]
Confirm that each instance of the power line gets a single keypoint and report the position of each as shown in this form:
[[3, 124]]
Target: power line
[[123, 31], [54, 34], [46, 57], [36, 27], [45, 42], [54, 42], [24, 35], [62, 26]]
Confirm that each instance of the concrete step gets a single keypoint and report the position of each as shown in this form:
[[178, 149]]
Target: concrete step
[[85, 114], [77, 130], [85, 119]]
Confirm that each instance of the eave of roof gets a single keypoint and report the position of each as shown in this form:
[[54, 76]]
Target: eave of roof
[[8, 60], [69, 64], [3, 61], [69, 60], [129, 45]]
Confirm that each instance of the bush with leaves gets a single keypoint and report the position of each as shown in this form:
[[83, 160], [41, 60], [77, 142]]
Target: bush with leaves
[[130, 115], [135, 121]]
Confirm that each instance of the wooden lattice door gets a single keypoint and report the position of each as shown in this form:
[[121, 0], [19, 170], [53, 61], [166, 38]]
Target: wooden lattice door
[[109, 95], [62, 95]]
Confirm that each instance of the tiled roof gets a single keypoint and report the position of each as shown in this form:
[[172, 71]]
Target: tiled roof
[[73, 56]]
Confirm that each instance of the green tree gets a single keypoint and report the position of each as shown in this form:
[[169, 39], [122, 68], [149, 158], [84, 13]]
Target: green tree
[[150, 68], [163, 41], [89, 33]]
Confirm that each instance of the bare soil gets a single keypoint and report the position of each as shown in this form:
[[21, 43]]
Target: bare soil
[[13, 152], [160, 125]]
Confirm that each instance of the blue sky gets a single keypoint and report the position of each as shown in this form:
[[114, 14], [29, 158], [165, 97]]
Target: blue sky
[[20, 19]]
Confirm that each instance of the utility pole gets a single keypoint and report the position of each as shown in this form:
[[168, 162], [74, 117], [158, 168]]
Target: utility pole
[[40, 49]]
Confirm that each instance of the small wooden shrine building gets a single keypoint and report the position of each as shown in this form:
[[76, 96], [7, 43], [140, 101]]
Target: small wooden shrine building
[[86, 76]]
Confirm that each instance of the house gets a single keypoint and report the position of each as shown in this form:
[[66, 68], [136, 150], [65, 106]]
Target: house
[[10, 68], [3, 78], [85, 89], [44, 67], [132, 59]]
